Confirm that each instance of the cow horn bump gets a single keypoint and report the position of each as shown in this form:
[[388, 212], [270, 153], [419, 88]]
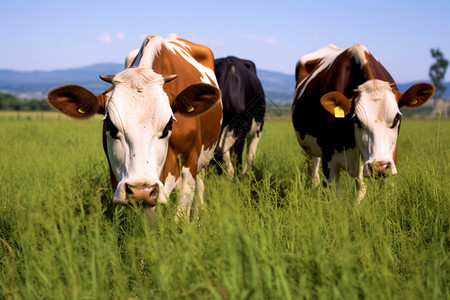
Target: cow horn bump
[[168, 78], [107, 78]]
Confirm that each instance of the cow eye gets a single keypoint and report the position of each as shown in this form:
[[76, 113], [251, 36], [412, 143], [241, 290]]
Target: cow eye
[[357, 121], [110, 128], [397, 120], [167, 129]]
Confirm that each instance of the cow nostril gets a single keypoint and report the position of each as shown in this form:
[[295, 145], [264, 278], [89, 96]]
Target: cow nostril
[[128, 191], [146, 194], [154, 192]]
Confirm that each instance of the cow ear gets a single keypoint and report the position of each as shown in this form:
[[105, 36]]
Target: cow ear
[[75, 101], [416, 95], [333, 100], [195, 99]]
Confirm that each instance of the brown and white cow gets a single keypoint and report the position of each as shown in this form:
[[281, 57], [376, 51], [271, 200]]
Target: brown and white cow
[[162, 119], [346, 107]]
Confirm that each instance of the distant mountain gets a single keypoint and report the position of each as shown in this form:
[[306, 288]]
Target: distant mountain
[[36, 84], [279, 87]]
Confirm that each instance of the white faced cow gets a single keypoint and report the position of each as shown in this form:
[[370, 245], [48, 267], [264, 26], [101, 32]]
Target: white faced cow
[[346, 107], [162, 120], [244, 106]]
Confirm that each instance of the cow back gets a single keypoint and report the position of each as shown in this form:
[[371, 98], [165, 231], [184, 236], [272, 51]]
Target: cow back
[[242, 92]]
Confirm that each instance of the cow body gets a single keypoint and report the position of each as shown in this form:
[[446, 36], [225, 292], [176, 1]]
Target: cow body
[[346, 107], [244, 107], [162, 120]]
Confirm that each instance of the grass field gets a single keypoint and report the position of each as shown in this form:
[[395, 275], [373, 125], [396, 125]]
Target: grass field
[[261, 236]]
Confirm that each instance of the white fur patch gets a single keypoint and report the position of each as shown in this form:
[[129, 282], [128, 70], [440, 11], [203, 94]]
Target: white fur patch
[[169, 184], [348, 159], [328, 54], [252, 140], [315, 171], [208, 75], [205, 157], [186, 196], [226, 141], [256, 126], [358, 52], [310, 145]]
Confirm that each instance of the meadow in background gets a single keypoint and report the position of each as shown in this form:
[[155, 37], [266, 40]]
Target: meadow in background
[[265, 235]]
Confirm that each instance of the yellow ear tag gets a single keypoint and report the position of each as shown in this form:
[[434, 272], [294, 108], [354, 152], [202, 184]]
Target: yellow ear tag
[[339, 112], [190, 109], [414, 102], [81, 111]]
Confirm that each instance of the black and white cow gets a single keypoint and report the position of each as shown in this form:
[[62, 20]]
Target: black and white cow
[[244, 106], [346, 107]]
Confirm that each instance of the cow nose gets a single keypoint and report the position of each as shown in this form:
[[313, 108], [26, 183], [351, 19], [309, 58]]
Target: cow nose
[[142, 193], [380, 167]]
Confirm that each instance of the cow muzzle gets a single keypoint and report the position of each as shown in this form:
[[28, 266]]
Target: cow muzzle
[[379, 168], [144, 193], [137, 192]]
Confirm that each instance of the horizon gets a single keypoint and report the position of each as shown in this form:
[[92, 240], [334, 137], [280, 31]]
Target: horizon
[[115, 63], [43, 36]]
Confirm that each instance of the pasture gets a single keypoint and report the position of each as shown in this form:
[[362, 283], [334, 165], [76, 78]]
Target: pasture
[[266, 235]]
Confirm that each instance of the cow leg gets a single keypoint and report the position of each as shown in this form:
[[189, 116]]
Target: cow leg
[[252, 144], [228, 163], [226, 141], [186, 195], [331, 170], [315, 172], [334, 177], [360, 185], [198, 205], [238, 149]]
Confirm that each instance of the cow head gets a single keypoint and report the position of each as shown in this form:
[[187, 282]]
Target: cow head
[[138, 117], [375, 112]]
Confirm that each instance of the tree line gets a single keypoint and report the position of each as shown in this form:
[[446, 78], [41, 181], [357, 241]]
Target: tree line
[[12, 103]]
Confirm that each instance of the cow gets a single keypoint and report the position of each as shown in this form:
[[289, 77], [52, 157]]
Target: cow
[[161, 121], [346, 107], [244, 106]]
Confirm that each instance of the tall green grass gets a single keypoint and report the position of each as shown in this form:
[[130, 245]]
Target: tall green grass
[[265, 235]]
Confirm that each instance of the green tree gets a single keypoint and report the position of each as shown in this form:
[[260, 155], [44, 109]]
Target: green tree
[[437, 72], [9, 102]]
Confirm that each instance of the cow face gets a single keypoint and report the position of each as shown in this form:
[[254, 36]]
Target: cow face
[[138, 124], [138, 117], [376, 116], [377, 121]]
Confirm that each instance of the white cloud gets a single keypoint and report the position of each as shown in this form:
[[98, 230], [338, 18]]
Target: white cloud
[[120, 36], [104, 37], [271, 40]]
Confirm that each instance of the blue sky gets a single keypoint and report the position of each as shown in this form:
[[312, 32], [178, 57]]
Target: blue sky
[[49, 35]]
